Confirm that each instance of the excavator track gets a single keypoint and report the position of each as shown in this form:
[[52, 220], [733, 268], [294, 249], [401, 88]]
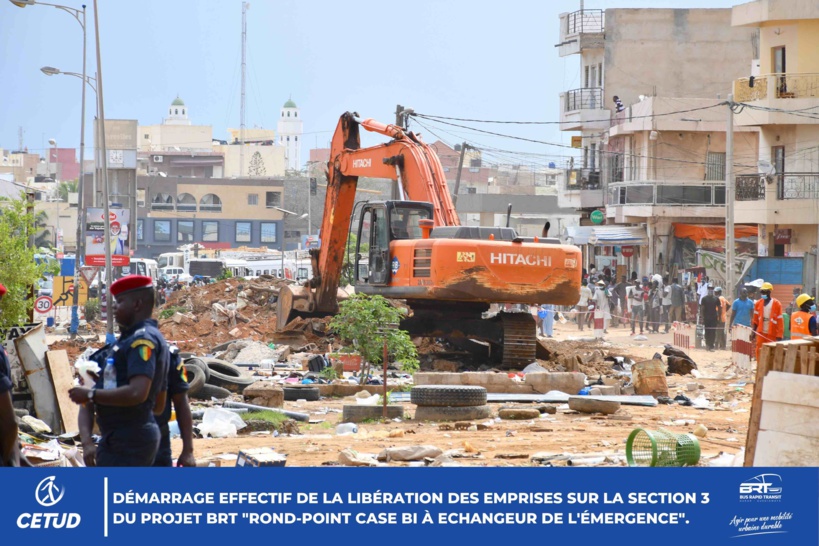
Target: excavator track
[[519, 339]]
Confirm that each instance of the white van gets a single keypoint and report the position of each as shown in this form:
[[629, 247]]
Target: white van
[[174, 273]]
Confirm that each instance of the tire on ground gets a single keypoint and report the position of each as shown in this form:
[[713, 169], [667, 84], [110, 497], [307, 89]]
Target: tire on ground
[[310, 394], [452, 413], [356, 413], [196, 378], [223, 367], [211, 391], [448, 395], [233, 384], [199, 363]]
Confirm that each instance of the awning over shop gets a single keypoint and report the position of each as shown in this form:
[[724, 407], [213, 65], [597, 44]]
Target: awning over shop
[[711, 232], [606, 235]]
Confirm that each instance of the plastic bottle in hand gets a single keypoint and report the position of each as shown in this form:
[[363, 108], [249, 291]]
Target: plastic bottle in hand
[[109, 376]]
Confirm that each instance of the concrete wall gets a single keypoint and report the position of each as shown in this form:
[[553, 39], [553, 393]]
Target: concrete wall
[[168, 137], [680, 52], [273, 158]]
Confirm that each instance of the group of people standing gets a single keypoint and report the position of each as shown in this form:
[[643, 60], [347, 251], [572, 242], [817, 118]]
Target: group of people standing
[[141, 380]]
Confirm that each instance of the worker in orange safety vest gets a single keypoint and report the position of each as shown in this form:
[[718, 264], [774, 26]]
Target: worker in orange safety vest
[[803, 321], [767, 322]]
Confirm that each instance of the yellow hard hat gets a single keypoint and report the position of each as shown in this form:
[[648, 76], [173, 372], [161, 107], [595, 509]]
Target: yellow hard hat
[[801, 299], [766, 286]]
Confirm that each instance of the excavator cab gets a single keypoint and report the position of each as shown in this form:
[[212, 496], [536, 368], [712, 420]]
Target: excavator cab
[[379, 224]]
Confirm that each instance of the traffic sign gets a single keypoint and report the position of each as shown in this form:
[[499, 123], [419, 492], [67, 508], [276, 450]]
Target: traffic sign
[[627, 251], [88, 273], [597, 217], [43, 304]]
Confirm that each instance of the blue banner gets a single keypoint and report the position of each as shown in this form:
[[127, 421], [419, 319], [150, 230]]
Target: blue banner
[[463, 505]]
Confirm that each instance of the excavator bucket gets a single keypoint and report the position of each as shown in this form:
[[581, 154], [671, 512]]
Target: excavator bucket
[[295, 301]]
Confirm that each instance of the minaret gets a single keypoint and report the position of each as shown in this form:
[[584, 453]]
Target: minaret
[[290, 129]]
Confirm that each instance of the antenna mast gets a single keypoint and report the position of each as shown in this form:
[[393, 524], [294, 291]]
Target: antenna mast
[[245, 7]]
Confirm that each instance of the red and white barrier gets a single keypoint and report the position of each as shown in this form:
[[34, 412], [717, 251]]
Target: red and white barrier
[[682, 341], [742, 348]]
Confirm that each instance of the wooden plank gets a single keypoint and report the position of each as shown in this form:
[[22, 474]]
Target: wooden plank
[[31, 349], [762, 366], [812, 361], [782, 449], [803, 360], [793, 419], [63, 379], [779, 357], [791, 352]]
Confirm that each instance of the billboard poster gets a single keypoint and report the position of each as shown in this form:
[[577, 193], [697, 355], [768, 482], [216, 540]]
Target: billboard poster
[[95, 237]]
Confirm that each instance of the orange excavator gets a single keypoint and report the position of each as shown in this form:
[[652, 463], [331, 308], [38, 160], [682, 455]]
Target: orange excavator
[[415, 249]]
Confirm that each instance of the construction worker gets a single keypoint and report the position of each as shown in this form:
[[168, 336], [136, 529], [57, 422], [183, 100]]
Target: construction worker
[[767, 322], [803, 321]]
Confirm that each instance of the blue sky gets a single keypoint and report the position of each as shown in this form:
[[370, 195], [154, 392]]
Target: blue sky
[[460, 58]]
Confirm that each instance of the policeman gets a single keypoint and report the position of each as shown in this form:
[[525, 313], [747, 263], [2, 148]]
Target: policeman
[[178, 394], [125, 401], [803, 322], [9, 442]]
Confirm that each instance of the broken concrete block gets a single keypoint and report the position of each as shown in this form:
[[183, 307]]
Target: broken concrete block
[[584, 404], [547, 409], [570, 383], [235, 332], [518, 413], [264, 393]]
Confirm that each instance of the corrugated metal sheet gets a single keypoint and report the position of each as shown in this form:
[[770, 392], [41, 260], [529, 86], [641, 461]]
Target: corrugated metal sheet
[[605, 235]]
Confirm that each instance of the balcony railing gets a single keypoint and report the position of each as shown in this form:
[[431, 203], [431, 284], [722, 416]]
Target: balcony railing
[[797, 186], [632, 193], [583, 179], [587, 20], [778, 86], [585, 98], [750, 187]]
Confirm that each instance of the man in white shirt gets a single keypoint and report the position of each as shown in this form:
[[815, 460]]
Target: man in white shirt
[[583, 304], [602, 313]]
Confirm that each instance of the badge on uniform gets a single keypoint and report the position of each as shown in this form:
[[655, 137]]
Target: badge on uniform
[[183, 373], [144, 347]]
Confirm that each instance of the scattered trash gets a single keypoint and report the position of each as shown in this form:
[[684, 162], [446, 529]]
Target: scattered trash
[[350, 457], [409, 453], [649, 378], [700, 431], [661, 448], [346, 428], [219, 423], [592, 405]]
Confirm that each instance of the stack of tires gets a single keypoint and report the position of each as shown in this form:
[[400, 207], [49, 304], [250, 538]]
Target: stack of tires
[[449, 402], [213, 378]]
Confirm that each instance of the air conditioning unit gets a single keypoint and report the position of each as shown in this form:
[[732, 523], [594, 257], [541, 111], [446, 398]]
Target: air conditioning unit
[[159, 159]]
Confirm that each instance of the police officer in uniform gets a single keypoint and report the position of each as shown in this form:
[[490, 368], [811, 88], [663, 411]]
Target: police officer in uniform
[[9, 442], [178, 395], [803, 322], [125, 409]]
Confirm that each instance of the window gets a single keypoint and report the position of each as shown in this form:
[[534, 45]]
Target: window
[[183, 111], [162, 230], [475, 162], [140, 229], [162, 201], [295, 114], [176, 111], [719, 195], [267, 272], [146, 136], [288, 139], [210, 231], [184, 231], [404, 222], [715, 166], [593, 155], [288, 114], [210, 203], [273, 199], [296, 138], [639, 195], [778, 158], [252, 198], [268, 232], [186, 202], [242, 232], [292, 234]]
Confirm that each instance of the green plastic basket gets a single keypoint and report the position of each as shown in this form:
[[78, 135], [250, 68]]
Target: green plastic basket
[[661, 448]]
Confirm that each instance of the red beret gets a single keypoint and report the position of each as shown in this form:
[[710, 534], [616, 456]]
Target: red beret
[[131, 282], [2, 290]]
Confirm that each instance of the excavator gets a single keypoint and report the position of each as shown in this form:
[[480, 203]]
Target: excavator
[[415, 249]]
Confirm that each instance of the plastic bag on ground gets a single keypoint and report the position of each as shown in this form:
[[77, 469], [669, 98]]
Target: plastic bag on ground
[[220, 423], [368, 401], [409, 453]]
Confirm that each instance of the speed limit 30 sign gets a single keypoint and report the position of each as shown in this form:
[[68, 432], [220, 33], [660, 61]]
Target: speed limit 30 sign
[[43, 304]]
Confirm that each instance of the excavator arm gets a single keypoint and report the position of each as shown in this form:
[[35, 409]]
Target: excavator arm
[[406, 158]]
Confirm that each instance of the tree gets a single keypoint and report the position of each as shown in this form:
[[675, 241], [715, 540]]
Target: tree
[[18, 269], [256, 167], [43, 237], [64, 188], [365, 322]]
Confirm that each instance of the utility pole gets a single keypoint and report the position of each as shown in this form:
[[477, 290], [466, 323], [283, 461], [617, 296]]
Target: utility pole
[[109, 335], [245, 7], [464, 147], [729, 202], [75, 316]]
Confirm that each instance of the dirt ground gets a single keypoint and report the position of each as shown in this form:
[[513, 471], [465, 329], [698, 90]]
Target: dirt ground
[[512, 443]]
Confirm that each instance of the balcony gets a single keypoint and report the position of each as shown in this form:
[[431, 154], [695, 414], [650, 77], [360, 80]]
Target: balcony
[[788, 186], [788, 199], [750, 187], [646, 199], [789, 91], [583, 109], [582, 190], [581, 30]]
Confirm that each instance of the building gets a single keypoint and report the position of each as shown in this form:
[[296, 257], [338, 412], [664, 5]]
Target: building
[[291, 129], [779, 91], [20, 164], [646, 161], [176, 133], [262, 156]]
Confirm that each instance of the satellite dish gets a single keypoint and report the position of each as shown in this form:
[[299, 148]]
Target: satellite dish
[[163, 175], [766, 167]]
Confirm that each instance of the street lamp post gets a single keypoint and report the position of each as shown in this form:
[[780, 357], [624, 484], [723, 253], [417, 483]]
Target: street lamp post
[[79, 15]]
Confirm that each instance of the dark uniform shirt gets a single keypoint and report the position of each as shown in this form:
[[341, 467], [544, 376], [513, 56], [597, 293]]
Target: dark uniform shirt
[[177, 383], [5, 371], [711, 308], [140, 350]]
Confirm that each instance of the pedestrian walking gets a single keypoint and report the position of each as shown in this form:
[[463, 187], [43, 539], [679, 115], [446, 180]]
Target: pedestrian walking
[[132, 385], [741, 310], [546, 314], [710, 310], [583, 304], [637, 297], [721, 340], [601, 310]]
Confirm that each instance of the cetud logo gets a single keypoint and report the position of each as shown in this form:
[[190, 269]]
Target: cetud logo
[[763, 487], [48, 493]]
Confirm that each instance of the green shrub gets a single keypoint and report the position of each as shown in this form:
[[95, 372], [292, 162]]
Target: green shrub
[[92, 309]]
